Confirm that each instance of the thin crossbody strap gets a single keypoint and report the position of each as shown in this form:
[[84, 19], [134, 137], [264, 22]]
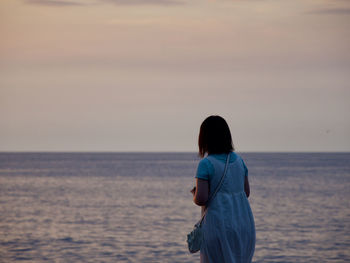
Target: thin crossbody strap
[[217, 188]]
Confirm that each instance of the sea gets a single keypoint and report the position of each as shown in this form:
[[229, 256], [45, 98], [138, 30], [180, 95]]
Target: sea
[[137, 207]]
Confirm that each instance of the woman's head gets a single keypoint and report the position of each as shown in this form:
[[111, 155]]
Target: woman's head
[[214, 136]]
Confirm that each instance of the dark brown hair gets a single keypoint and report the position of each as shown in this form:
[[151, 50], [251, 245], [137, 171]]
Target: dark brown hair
[[214, 136]]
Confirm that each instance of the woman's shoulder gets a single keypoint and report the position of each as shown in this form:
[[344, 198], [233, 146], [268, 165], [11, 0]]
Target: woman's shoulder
[[243, 164], [237, 156], [205, 168], [205, 162]]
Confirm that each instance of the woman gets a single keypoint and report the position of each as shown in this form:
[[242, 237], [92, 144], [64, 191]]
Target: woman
[[228, 226]]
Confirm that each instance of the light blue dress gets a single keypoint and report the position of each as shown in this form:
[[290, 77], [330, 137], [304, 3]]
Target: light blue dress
[[228, 226]]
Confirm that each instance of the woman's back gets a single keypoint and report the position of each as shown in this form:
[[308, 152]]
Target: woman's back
[[234, 179], [229, 232]]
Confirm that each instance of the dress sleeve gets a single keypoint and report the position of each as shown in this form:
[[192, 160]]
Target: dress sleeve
[[245, 169], [205, 169]]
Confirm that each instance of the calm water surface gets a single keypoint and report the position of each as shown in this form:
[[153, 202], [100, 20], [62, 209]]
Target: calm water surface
[[120, 207]]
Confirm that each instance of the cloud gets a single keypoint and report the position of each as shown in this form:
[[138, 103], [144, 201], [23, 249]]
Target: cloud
[[55, 2], [331, 11], [116, 2], [145, 2]]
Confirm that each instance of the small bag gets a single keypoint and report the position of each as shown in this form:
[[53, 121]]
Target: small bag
[[195, 237]]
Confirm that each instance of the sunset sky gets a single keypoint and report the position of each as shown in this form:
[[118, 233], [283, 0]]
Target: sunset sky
[[141, 75]]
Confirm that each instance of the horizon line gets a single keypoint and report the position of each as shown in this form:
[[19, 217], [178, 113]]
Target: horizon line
[[168, 152]]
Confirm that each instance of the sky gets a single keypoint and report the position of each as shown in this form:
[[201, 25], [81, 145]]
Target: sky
[[142, 75]]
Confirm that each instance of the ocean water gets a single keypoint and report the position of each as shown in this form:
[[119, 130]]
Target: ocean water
[[136, 207]]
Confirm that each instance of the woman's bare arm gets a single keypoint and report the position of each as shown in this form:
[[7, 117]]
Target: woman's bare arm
[[246, 186], [202, 192]]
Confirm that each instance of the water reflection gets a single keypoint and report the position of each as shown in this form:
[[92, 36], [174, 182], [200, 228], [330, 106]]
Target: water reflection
[[139, 209]]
